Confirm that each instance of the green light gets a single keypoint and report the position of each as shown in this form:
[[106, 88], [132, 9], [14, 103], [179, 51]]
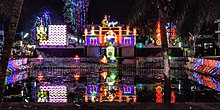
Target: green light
[[169, 57], [113, 76], [139, 45], [112, 57]]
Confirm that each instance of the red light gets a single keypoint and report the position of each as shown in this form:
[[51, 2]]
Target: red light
[[159, 94], [40, 57], [158, 34], [159, 100], [173, 97], [159, 89]]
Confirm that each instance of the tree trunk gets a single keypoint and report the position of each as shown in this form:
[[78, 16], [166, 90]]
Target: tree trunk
[[9, 38], [167, 88]]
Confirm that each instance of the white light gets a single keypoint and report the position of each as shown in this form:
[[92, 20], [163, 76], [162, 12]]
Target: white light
[[26, 35], [180, 44], [56, 35]]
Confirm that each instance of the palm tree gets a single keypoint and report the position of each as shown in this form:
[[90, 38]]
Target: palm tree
[[188, 15], [10, 9]]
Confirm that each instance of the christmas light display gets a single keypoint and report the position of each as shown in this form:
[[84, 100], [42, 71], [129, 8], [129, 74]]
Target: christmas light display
[[171, 33], [104, 74], [92, 90], [113, 76], [207, 81], [104, 60], [76, 76], [159, 94], [43, 96], [39, 31], [56, 93], [75, 14], [76, 59], [56, 36], [112, 59], [11, 79], [110, 33], [158, 34], [40, 58], [18, 64], [128, 90], [173, 97], [110, 51], [91, 93]]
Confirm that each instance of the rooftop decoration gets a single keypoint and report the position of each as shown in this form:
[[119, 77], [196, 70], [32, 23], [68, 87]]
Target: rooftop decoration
[[110, 33]]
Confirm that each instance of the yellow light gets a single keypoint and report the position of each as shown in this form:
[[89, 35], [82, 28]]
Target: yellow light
[[134, 98], [86, 98], [104, 60], [111, 98], [134, 31], [127, 30], [127, 99], [86, 31], [93, 30]]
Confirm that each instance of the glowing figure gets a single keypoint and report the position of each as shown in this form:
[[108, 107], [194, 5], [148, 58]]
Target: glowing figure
[[76, 59], [127, 99], [86, 98], [104, 74], [40, 58], [113, 23], [40, 77], [41, 33], [113, 76], [120, 95], [76, 76], [105, 21], [104, 60]]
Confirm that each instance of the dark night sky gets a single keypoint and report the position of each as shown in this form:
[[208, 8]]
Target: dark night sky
[[117, 9]]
